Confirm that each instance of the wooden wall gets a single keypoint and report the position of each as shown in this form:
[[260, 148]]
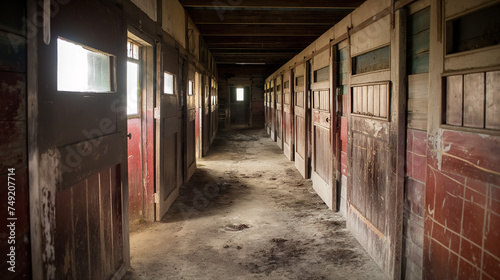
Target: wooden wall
[[462, 177], [446, 116], [13, 146]]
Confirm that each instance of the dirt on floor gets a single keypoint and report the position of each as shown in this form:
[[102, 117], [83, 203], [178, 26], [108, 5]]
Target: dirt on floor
[[247, 214]]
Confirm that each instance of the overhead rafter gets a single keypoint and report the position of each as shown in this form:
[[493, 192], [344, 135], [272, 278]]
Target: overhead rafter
[[303, 4], [265, 16], [250, 30], [264, 31]]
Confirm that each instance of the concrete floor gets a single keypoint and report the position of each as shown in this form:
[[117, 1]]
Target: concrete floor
[[247, 214]]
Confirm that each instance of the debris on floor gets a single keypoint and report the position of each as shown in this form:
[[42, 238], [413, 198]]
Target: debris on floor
[[231, 221]]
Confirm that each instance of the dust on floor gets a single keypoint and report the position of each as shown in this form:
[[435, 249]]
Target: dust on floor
[[247, 214]]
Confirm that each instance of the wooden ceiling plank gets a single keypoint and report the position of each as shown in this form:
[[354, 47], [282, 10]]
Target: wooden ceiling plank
[[202, 16], [274, 3], [208, 30]]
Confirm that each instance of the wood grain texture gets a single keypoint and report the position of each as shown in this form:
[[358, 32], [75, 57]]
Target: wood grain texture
[[418, 87], [454, 100], [474, 100], [493, 100]]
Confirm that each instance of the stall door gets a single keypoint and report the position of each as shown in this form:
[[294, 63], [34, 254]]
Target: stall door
[[268, 108], [190, 125], [322, 141], [206, 115], [301, 151], [168, 146], [279, 112], [287, 116], [266, 117], [77, 135], [272, 109]]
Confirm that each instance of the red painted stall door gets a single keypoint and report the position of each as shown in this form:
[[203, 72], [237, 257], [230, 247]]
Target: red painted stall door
[[134, 130]]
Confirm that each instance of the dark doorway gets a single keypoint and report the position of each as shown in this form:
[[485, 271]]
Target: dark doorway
[[240, 104]]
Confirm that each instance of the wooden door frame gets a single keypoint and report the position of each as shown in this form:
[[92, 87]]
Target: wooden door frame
[[305, 170], [148, 126], [326, 189]]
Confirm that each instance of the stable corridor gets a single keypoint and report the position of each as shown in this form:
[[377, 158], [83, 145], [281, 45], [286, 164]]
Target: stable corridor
[[248, 214]]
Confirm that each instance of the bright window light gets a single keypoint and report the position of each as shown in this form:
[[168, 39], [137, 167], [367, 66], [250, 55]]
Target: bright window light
[[190, 88], [132, 88], [169, 83], [240, 96], [82, 70]]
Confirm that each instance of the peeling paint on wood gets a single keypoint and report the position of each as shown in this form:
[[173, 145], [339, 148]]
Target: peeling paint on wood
[[50, 178]]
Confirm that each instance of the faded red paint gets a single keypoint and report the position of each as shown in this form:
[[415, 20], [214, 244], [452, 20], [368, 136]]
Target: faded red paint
[[462, 207], [134, 169], [343, 141]]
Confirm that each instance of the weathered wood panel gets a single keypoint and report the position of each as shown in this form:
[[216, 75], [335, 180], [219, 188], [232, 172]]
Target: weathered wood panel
[[474, 100], [94, 227], [148, 7], [493, 100], [135, 169], [174, 21], [418, 29], [371, 37], [454, 97], [369, 99], [82, 257], [117, 217], [105, 191], [418, 87], [65, 245]]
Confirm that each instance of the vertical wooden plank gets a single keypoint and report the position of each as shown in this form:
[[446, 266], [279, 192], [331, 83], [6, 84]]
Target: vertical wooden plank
[[376, 100], [80, 229], [116, 198], [384, 92], [64, 235], [454, 100], [106, 232], [360, 100], [493, 100], [370, 100], [94, 237], [355, 99], [365, 99], [474, 100]]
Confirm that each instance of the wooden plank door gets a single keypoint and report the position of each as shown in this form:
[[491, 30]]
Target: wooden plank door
[[168, 146], [206, 114], [213, 110], [266, 117], [376, 152], [134, 132], [301, 119], [268, 108], [322, 173], [279, 111], [77, 143], [272, 108], [288, 129], [190, 125]]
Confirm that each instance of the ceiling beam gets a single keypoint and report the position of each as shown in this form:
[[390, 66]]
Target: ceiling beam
[[208, 30], [326, 17], [253, 58], [325, 4], [258, 42]]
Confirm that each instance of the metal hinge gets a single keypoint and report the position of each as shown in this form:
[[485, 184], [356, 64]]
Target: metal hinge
[[156, 113]]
